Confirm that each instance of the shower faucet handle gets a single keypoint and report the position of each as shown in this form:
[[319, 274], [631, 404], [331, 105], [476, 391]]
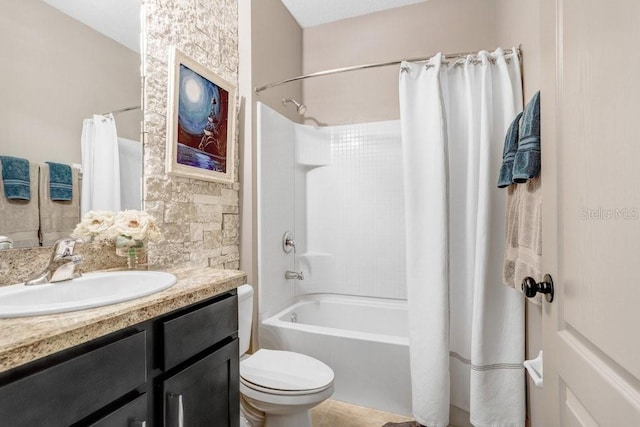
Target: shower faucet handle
[[288, 244], [293, 275]]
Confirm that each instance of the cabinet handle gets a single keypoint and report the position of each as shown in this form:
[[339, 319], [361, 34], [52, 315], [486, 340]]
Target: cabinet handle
[[137, 423], [175, 410]]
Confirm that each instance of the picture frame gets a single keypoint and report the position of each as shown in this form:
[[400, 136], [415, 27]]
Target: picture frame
[[200, 122]]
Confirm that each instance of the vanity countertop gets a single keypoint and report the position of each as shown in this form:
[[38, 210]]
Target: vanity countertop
[[25, 339]]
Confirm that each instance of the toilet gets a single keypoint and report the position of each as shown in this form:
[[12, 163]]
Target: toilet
[[281, 384]]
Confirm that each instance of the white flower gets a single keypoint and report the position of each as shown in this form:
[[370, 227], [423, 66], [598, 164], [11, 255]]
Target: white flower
[[94, 224], [136, 225]]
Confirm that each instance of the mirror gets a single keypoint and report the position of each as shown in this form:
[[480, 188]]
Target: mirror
[[58, 71]]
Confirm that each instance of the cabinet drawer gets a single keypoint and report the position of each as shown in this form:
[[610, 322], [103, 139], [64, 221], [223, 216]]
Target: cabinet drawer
[[69, 391], [189, 334], [132, 414]]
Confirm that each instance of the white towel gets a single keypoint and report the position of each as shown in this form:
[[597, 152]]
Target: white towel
[[523, 237], [19, 219], [57, 218]]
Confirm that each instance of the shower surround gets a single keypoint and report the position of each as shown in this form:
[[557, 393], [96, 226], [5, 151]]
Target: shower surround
[[338, 189]]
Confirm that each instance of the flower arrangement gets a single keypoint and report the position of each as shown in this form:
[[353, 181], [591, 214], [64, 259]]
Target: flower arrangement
[[129, 227], [94, 225]]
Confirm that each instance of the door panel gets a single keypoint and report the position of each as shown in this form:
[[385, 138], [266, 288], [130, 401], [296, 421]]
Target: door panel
[[600, 151], [591, 198], [574, 412]]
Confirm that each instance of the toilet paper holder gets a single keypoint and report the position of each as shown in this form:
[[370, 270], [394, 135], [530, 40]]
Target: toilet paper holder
[[534, 368]]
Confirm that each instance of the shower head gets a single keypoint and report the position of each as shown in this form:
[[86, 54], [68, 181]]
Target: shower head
[[301, 108]]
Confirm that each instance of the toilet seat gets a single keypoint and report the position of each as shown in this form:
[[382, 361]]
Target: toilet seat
[[273, 391], [285, 373]]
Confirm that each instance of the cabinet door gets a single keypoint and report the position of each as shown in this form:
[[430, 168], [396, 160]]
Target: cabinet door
[[205, 393]]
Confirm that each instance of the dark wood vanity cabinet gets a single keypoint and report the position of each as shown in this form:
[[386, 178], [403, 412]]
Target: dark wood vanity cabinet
[[197, 375], [181, 369]]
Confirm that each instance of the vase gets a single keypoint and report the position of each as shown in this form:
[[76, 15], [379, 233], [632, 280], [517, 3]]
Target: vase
[[134, 250]]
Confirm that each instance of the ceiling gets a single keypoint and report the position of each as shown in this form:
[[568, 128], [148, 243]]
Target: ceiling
[[120, 19], [116, 19], [310, 13]]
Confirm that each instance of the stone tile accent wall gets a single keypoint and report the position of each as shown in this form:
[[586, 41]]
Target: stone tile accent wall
[[198, 219]]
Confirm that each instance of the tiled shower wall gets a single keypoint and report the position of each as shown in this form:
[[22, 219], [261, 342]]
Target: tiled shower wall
[[199, 219], [354, 212], [339, 190]]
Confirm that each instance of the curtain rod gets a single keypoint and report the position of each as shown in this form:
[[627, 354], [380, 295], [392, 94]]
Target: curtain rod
[[122, 110], [515, 50]]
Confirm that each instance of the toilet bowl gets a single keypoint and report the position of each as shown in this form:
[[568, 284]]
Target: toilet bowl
[[282, 384]]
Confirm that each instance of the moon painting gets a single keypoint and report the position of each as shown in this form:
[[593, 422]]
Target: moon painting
[[201, 122], [203, 114]]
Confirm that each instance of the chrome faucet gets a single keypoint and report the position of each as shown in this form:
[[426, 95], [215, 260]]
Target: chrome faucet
[[61, 265], [293, 275]]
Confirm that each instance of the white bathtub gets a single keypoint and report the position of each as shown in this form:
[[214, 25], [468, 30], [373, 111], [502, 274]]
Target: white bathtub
[[364, 340]]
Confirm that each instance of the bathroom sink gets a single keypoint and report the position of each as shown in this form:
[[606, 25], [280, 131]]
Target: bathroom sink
[[90, 290]]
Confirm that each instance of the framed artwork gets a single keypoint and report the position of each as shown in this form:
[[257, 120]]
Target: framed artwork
[[200, 122]]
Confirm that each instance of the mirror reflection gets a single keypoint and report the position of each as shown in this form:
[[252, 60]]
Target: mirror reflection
[[69, 114]]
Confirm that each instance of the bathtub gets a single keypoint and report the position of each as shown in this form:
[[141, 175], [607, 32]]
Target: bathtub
[[364, 340]]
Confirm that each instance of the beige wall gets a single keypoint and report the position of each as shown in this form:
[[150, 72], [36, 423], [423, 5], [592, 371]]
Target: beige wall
[[276, 54], [199, 220], [518, 22], [56, 72], [413, 31]]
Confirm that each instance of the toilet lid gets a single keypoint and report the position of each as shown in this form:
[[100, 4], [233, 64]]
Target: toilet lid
[[285, 370]]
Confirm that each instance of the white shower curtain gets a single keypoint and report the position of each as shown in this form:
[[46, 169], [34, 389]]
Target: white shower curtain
[[100, 165], [466, 328]]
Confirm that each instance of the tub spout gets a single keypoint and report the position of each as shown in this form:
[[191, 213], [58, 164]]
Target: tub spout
[[293, 275]]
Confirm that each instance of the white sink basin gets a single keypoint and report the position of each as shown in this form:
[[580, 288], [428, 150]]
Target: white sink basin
[[90, 290]]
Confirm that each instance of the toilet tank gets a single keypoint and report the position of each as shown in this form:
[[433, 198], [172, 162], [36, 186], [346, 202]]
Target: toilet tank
[[245, 316]]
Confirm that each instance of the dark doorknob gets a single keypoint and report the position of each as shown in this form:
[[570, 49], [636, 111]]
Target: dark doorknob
[[530, 288]]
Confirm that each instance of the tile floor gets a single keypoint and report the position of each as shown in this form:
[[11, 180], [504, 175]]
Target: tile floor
[[333, 413]]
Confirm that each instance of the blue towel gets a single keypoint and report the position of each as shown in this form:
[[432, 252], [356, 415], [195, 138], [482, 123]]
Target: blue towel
[[15, 177], [526, 164], [505, 178], [60, 182]]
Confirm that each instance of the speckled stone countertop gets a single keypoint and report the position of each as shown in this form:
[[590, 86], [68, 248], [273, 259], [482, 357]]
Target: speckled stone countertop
[[25, 339]]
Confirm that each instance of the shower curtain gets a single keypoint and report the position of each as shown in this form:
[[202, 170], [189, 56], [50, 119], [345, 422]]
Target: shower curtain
[[100, 165], [466, 328]]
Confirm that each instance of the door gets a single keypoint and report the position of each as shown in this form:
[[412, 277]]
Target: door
[[591, 201], [206, 393]]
